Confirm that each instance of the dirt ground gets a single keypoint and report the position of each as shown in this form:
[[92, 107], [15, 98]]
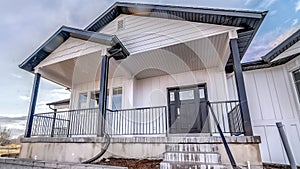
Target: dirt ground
[[154, 164], [276, 166], [132, 163]]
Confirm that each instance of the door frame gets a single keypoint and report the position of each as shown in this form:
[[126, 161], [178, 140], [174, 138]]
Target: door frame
[[204, 85]]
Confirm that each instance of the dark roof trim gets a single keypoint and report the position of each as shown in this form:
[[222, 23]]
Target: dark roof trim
[[60, 37], [60, 102], [261, 64], [122, 8], [282, 47], [250, 21]]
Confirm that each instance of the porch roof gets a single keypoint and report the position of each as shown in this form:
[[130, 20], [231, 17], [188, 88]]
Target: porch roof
[[61, 36], [274, 57], [250, 21]]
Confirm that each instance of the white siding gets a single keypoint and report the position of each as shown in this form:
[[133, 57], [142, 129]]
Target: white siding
[[153, 91], [290, 51], [127, 91], [272, 98], [72, 48], [147, 33]]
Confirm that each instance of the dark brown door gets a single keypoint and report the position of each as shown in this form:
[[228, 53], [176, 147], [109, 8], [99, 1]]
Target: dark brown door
[[188, 109]]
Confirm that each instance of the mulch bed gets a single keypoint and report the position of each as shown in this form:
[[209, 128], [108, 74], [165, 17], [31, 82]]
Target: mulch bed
[[131, 163], [154, 164], [277, 166]]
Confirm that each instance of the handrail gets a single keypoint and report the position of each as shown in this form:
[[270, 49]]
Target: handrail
[[230, 156], [138, 108]]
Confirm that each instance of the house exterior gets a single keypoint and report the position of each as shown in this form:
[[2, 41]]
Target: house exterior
[[162, 82], [273, 96]]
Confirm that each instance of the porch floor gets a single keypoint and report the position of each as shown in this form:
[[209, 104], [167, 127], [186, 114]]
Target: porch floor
[[162, 140]]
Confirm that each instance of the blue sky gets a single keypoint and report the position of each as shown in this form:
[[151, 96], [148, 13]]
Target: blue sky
[[25, 25]]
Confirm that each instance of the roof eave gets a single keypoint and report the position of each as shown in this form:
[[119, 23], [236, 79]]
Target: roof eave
[[295, 37], [60, 37]]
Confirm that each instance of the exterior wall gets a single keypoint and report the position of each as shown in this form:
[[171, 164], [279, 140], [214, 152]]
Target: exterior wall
[[127, 85], [152, 91], [272, 98]]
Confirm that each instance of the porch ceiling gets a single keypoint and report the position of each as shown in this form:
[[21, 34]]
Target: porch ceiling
[[194, 55], [190, 56]]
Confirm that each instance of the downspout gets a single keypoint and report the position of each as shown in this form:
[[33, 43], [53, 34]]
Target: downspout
[[106, 135]]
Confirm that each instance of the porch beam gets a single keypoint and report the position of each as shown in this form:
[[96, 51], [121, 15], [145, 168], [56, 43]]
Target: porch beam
[[240, 85], [34, 94], [102, 95]]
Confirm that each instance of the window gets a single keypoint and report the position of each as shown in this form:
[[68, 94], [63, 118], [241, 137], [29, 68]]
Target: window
[[83, 100], [94, 100], [201, 93], [186, 95], [117, 98], [296, 75]]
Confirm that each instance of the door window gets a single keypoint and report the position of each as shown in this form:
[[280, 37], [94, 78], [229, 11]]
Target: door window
[[186, 95], [201, 93], [172, 96]]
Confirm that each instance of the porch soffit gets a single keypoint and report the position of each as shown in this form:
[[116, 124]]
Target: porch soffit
[[194, 55], [190, 56]]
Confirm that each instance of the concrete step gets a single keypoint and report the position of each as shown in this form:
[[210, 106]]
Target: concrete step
[[186, 165], [192, 147], [195, 157]]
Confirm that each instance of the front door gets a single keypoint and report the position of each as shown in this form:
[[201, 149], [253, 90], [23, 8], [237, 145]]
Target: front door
[[188, 109]]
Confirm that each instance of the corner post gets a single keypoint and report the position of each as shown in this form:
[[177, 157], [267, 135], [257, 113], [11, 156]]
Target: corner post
[[240, 85], [102, 95], [34, 94]]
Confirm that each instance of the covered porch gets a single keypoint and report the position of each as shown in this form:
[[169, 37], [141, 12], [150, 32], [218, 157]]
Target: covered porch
[[177, 89]]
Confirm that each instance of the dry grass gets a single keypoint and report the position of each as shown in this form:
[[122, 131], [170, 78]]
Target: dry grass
[[10, 150]]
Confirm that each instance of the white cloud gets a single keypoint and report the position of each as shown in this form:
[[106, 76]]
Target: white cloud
[[16, 75], [266, 42], [25, 98], [266, 3], [295, 22], [247, 2], [297, 7]]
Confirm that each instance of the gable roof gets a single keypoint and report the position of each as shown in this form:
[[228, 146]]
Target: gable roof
[[250, 21], [60, 37], [269, 59], [295, 37]]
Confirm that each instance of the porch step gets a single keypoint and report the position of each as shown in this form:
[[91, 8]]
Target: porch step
[[191, 156], [192, 148], [185, 165], [196, 157]]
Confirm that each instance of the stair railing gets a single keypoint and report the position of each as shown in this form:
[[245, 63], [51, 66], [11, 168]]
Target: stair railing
[[230, 156]]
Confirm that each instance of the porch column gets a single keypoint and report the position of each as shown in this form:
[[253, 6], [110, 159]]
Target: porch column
[[240, 85], [102, 95], [34, 94]]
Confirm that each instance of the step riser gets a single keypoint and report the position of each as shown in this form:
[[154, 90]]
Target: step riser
[[192, 148], [193, 157], [166, 165]]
